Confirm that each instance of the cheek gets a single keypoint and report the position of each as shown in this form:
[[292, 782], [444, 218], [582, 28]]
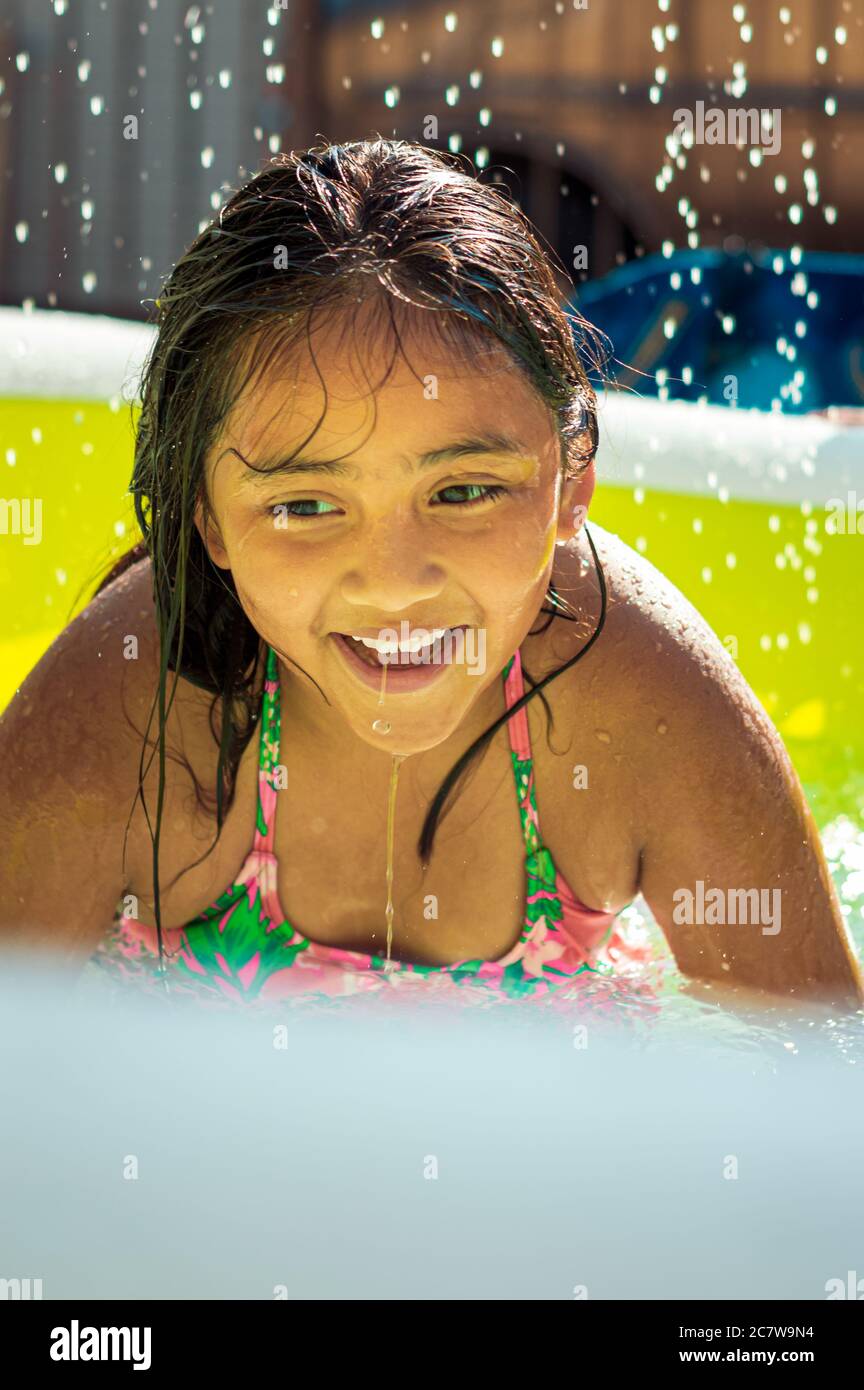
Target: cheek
[[283, 612], [542, 532], [548, 549], [507, 578], [278, 585], [523, 548]]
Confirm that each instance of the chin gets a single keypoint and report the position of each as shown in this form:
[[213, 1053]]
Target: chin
[[404, 738]]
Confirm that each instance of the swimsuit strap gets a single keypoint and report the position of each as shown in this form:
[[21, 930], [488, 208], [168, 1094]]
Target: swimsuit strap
[[517, 729], [520, 752], [268, 758]]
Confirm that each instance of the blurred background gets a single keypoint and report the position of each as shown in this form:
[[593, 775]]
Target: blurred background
[[729, 279], [569, 105], [731, 284]]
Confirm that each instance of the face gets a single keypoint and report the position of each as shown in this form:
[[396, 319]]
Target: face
[[421, 520]]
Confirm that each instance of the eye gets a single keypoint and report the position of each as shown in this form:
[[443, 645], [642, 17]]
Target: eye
[[291, 508], [488, 492]]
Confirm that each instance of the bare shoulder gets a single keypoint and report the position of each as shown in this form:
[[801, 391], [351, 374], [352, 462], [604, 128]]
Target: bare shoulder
[[669, 690], [68, 768], [87, 702], [729, 851], [654, 633], [650, 627]]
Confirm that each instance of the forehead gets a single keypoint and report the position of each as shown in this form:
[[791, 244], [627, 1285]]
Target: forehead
[[351, 386]]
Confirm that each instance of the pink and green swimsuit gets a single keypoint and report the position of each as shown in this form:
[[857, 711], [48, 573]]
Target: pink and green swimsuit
[[241, 948]]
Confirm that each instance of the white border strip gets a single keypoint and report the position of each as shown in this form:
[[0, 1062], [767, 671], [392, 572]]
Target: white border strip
[[673, 446], [713, 450], [48, 355]]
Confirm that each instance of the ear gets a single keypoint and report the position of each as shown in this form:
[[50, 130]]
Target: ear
[[576, 495], [211, 536]]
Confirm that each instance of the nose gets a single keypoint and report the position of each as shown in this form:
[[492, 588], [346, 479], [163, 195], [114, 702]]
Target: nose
[[391, 571]]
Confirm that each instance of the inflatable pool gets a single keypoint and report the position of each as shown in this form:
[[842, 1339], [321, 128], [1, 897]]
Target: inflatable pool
[[753, 515]]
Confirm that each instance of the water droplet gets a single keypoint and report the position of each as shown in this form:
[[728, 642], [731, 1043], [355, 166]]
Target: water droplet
[[602, 736], [662, 726], [22, 231], [381, 726]]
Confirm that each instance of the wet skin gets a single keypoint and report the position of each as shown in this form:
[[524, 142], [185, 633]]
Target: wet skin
[[387, 539], [687, 779]]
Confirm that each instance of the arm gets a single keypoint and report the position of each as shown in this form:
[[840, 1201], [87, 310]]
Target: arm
[[67, 783], [732, 866]]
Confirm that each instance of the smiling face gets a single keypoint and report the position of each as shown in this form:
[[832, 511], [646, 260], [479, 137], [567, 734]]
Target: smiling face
[[429, 501]]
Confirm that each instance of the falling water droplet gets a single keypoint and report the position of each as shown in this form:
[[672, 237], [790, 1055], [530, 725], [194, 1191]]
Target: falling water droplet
[[662, 726], [381, 726]]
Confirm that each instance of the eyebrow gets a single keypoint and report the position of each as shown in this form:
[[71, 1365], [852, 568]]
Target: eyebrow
[[487, 442]]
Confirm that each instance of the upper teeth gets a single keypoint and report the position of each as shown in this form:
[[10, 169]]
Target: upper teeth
[[422, 638]]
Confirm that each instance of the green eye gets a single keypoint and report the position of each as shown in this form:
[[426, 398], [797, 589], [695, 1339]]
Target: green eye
[[303, 502], [457, 495], [487, 492]]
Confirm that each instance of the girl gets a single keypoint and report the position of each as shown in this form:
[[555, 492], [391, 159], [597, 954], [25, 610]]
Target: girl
[[363, 466]]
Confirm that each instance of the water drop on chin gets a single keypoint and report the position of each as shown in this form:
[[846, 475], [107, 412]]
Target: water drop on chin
[[381, 726]]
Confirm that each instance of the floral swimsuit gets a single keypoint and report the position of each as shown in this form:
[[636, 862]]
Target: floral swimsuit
[[242, 949]]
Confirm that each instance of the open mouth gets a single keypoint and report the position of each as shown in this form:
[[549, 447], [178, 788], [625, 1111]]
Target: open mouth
[[411, 664], [431, 648]]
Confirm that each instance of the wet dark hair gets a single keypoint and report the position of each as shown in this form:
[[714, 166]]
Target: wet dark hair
[[416, 231]]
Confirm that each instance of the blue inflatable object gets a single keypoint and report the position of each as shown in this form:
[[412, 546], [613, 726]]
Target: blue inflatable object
[[766, 327]]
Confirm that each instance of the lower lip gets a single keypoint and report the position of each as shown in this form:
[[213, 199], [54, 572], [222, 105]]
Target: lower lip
[[399, 678]]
